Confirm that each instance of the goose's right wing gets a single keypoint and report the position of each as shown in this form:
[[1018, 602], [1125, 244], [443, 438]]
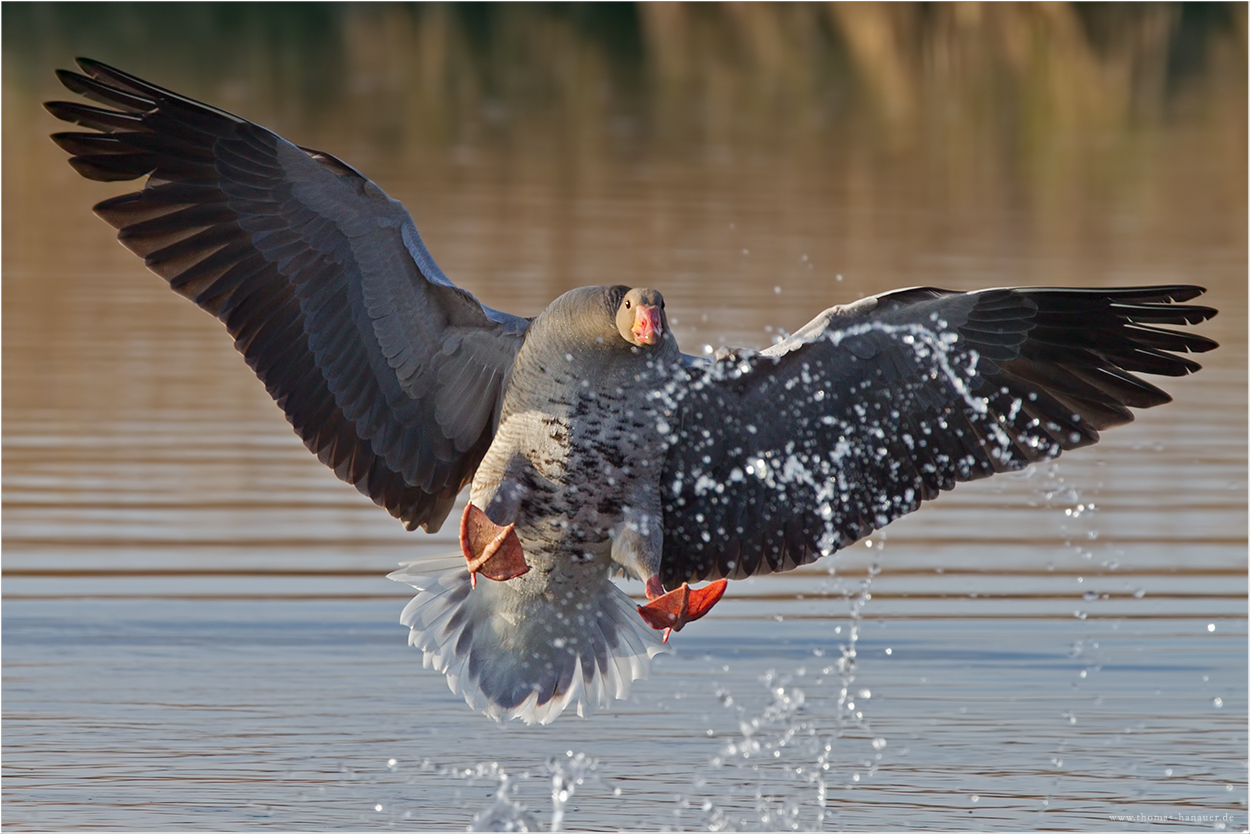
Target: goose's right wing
[[390, 374]]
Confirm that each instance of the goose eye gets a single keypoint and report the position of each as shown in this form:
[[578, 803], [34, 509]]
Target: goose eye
[[628, 304]]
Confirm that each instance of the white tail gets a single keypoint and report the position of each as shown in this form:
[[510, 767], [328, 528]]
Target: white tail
[[513, 655]]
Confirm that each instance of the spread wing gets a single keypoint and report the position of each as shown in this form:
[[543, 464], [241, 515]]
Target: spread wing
[[792, 453], [390, 374]]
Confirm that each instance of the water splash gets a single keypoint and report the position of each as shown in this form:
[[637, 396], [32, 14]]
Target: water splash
[[1076, 521], [567, 775], [787, 757], [507, 812]]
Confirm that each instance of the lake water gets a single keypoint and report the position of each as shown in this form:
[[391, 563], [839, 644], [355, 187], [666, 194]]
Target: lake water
[[197, 629]]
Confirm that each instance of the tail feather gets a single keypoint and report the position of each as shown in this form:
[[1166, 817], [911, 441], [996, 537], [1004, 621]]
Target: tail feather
[[529, 657]]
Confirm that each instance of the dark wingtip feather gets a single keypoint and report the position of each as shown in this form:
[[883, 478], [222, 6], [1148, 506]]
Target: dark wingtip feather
[[106, 74], [99, 91], [86, 144], [1178, 292], [74, 82], [67, 77], [106, 121], [111, 168]]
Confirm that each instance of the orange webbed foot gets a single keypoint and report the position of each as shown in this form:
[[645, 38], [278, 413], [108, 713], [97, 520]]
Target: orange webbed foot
[[491, 550], [670, 611]]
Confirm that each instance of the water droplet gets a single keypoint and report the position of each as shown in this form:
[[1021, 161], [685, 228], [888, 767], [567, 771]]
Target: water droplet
[[1167, 771], [889, 651], [1210, 626], [1139, 593], [1218, 703], [378, 808], [976, 798], [839, 277], [1090, 596], [878, 744]]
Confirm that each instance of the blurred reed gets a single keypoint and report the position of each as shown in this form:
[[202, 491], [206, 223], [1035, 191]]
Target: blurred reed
[[622, 71]]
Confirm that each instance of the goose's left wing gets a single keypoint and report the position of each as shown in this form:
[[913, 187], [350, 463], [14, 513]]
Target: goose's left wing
[[791, 453]]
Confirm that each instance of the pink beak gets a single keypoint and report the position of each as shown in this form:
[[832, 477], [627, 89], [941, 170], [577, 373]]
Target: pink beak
[[647, 328]]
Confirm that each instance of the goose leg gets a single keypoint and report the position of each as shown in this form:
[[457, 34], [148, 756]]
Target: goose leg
[[491, 550], [670, 611]]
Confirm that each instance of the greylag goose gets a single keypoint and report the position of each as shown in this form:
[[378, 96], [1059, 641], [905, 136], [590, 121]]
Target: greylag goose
[[591, 444]]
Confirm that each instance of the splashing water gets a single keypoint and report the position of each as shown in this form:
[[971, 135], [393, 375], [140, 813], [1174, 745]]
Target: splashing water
[[1076, 525], [790, 762], [505, 813], [567, 775]]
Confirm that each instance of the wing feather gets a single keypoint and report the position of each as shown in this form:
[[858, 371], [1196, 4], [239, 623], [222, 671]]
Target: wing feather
[[321, 279], [794, 452]]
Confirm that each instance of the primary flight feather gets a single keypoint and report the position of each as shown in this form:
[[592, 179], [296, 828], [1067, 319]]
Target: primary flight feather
[[592, 445]]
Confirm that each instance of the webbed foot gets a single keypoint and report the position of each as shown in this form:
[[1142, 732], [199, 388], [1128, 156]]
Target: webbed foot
[[670, 611], [491, 550]]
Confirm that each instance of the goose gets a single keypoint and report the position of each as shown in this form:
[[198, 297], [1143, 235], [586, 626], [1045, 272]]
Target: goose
[[591, 445]]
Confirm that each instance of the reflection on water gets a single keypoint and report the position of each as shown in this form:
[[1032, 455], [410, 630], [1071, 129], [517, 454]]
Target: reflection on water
[[197, 627]]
